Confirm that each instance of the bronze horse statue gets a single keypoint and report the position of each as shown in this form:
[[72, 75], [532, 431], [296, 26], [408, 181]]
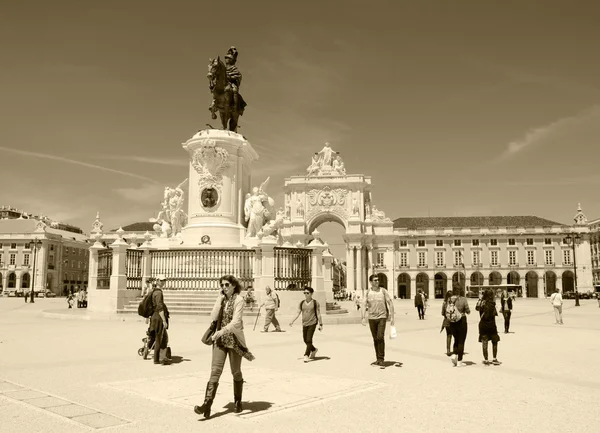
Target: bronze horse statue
[[223, 96]]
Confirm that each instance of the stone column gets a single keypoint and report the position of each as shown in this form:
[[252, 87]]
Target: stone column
[[118, 279], [317, 281], [267, 266], [93, 268], [360, 287], [327, 281], [40, 268], [19, 279], [350, 282]]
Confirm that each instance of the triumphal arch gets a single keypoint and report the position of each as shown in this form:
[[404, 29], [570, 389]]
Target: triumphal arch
[[327, 193]]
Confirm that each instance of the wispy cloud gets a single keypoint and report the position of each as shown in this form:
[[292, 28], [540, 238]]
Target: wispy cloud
[[75, 162], [145, 194], [537, 135], [177, 162]]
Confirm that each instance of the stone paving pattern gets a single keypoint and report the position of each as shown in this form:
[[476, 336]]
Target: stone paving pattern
[[85, 375]]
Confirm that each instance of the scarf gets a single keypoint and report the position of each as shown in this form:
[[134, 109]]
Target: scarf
[[229, 339]]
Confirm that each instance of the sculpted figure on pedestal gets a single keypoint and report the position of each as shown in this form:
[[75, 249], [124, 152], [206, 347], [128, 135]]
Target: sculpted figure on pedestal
[[171, 218], [326, 162], [338, 165], [257, 209], [273, 226], [224, 82]]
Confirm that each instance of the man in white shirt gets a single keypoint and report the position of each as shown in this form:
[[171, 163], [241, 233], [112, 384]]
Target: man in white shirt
[[556, 300]]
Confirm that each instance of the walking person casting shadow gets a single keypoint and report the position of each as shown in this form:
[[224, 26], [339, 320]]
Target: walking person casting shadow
[[311, 315], [380, 308], [228, 340]]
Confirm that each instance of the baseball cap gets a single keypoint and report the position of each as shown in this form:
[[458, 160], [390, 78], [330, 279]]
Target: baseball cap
[[161, 277]]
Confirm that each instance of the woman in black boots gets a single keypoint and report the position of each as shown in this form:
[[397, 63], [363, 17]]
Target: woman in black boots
[[228, 340]]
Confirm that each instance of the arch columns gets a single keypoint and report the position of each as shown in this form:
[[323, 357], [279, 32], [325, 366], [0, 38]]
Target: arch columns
[[350, 265]]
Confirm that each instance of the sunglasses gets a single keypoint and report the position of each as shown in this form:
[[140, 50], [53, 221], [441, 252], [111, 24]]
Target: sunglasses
[[307, 293], [225, 285], [374, 280]]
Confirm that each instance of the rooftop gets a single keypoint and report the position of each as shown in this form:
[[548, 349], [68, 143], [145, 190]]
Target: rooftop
[[413, 223], [143, 226]]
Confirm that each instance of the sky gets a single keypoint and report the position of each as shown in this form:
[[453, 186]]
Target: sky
[[453, 108]]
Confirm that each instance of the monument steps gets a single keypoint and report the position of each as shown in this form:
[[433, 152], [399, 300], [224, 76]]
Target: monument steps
[[191, 302]]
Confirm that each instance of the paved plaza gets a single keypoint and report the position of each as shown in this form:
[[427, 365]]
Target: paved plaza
[[83, 373]]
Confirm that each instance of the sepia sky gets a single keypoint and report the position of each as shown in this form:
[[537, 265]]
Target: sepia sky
[[454, 108]]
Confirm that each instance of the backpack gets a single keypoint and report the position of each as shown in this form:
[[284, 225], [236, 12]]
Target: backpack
[[146, 307], [452, 313], [314, 304]]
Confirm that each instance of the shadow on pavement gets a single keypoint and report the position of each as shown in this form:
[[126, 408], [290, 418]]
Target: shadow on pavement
[[321, 358], [387, 364], [178, 359], [249, 407]]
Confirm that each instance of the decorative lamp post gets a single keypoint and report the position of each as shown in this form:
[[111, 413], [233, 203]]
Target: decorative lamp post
[[574, 239], [36, 244]]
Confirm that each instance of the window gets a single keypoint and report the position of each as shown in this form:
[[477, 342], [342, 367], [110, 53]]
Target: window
[[403, 243], [493, 242], [52, 247], [421, 243], [457, 242], [457, 258], [67, 250], [529, 241], [439, 258], [422, 260], [547, 241], [13, 257], [511, 241], [476, 258], [25, 259], [564, 241], [379, 260], [566, 257], [494, 258], [531, 257], [27, 246], [1, 245], [439, 243], [79, 262], [73, 263], [512, 258], [404, 259], [475, 242], [13, 246]]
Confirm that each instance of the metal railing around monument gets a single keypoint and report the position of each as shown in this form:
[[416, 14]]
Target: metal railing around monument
[[201, 269], [133, 268], [292, 268], [105, 259]]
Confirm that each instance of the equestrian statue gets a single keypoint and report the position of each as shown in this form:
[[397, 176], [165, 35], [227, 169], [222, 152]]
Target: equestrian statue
[[224, 80]]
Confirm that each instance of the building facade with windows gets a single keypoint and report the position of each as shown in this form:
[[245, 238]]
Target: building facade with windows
[[431, 254], [594, 226], [59, 263]]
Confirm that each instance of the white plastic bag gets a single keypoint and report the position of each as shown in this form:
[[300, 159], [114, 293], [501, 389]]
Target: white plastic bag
[[393, 333]]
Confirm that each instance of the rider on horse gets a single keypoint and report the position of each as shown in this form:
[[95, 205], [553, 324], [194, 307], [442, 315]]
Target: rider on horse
[[234, 76]]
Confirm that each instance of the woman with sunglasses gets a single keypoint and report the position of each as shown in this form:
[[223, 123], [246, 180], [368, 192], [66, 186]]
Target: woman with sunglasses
[[228, 340], [311, 315]]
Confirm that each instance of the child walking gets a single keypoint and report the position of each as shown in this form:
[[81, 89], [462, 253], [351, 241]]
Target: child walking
[[311, 315]]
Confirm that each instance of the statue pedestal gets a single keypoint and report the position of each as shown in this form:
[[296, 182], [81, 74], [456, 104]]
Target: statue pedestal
[[218, 176]]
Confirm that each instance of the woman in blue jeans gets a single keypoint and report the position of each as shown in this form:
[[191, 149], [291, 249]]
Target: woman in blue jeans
[[228, 340]]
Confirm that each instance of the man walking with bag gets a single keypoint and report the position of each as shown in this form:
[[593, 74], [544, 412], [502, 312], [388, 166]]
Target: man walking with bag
[[380, 308]]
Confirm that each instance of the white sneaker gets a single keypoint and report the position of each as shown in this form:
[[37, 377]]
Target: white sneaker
[[454, 359], [306, 359], [313, 353]]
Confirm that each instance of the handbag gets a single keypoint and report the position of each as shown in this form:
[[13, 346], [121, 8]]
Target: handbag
[[212, 328], [207, 337], [393, 333]]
